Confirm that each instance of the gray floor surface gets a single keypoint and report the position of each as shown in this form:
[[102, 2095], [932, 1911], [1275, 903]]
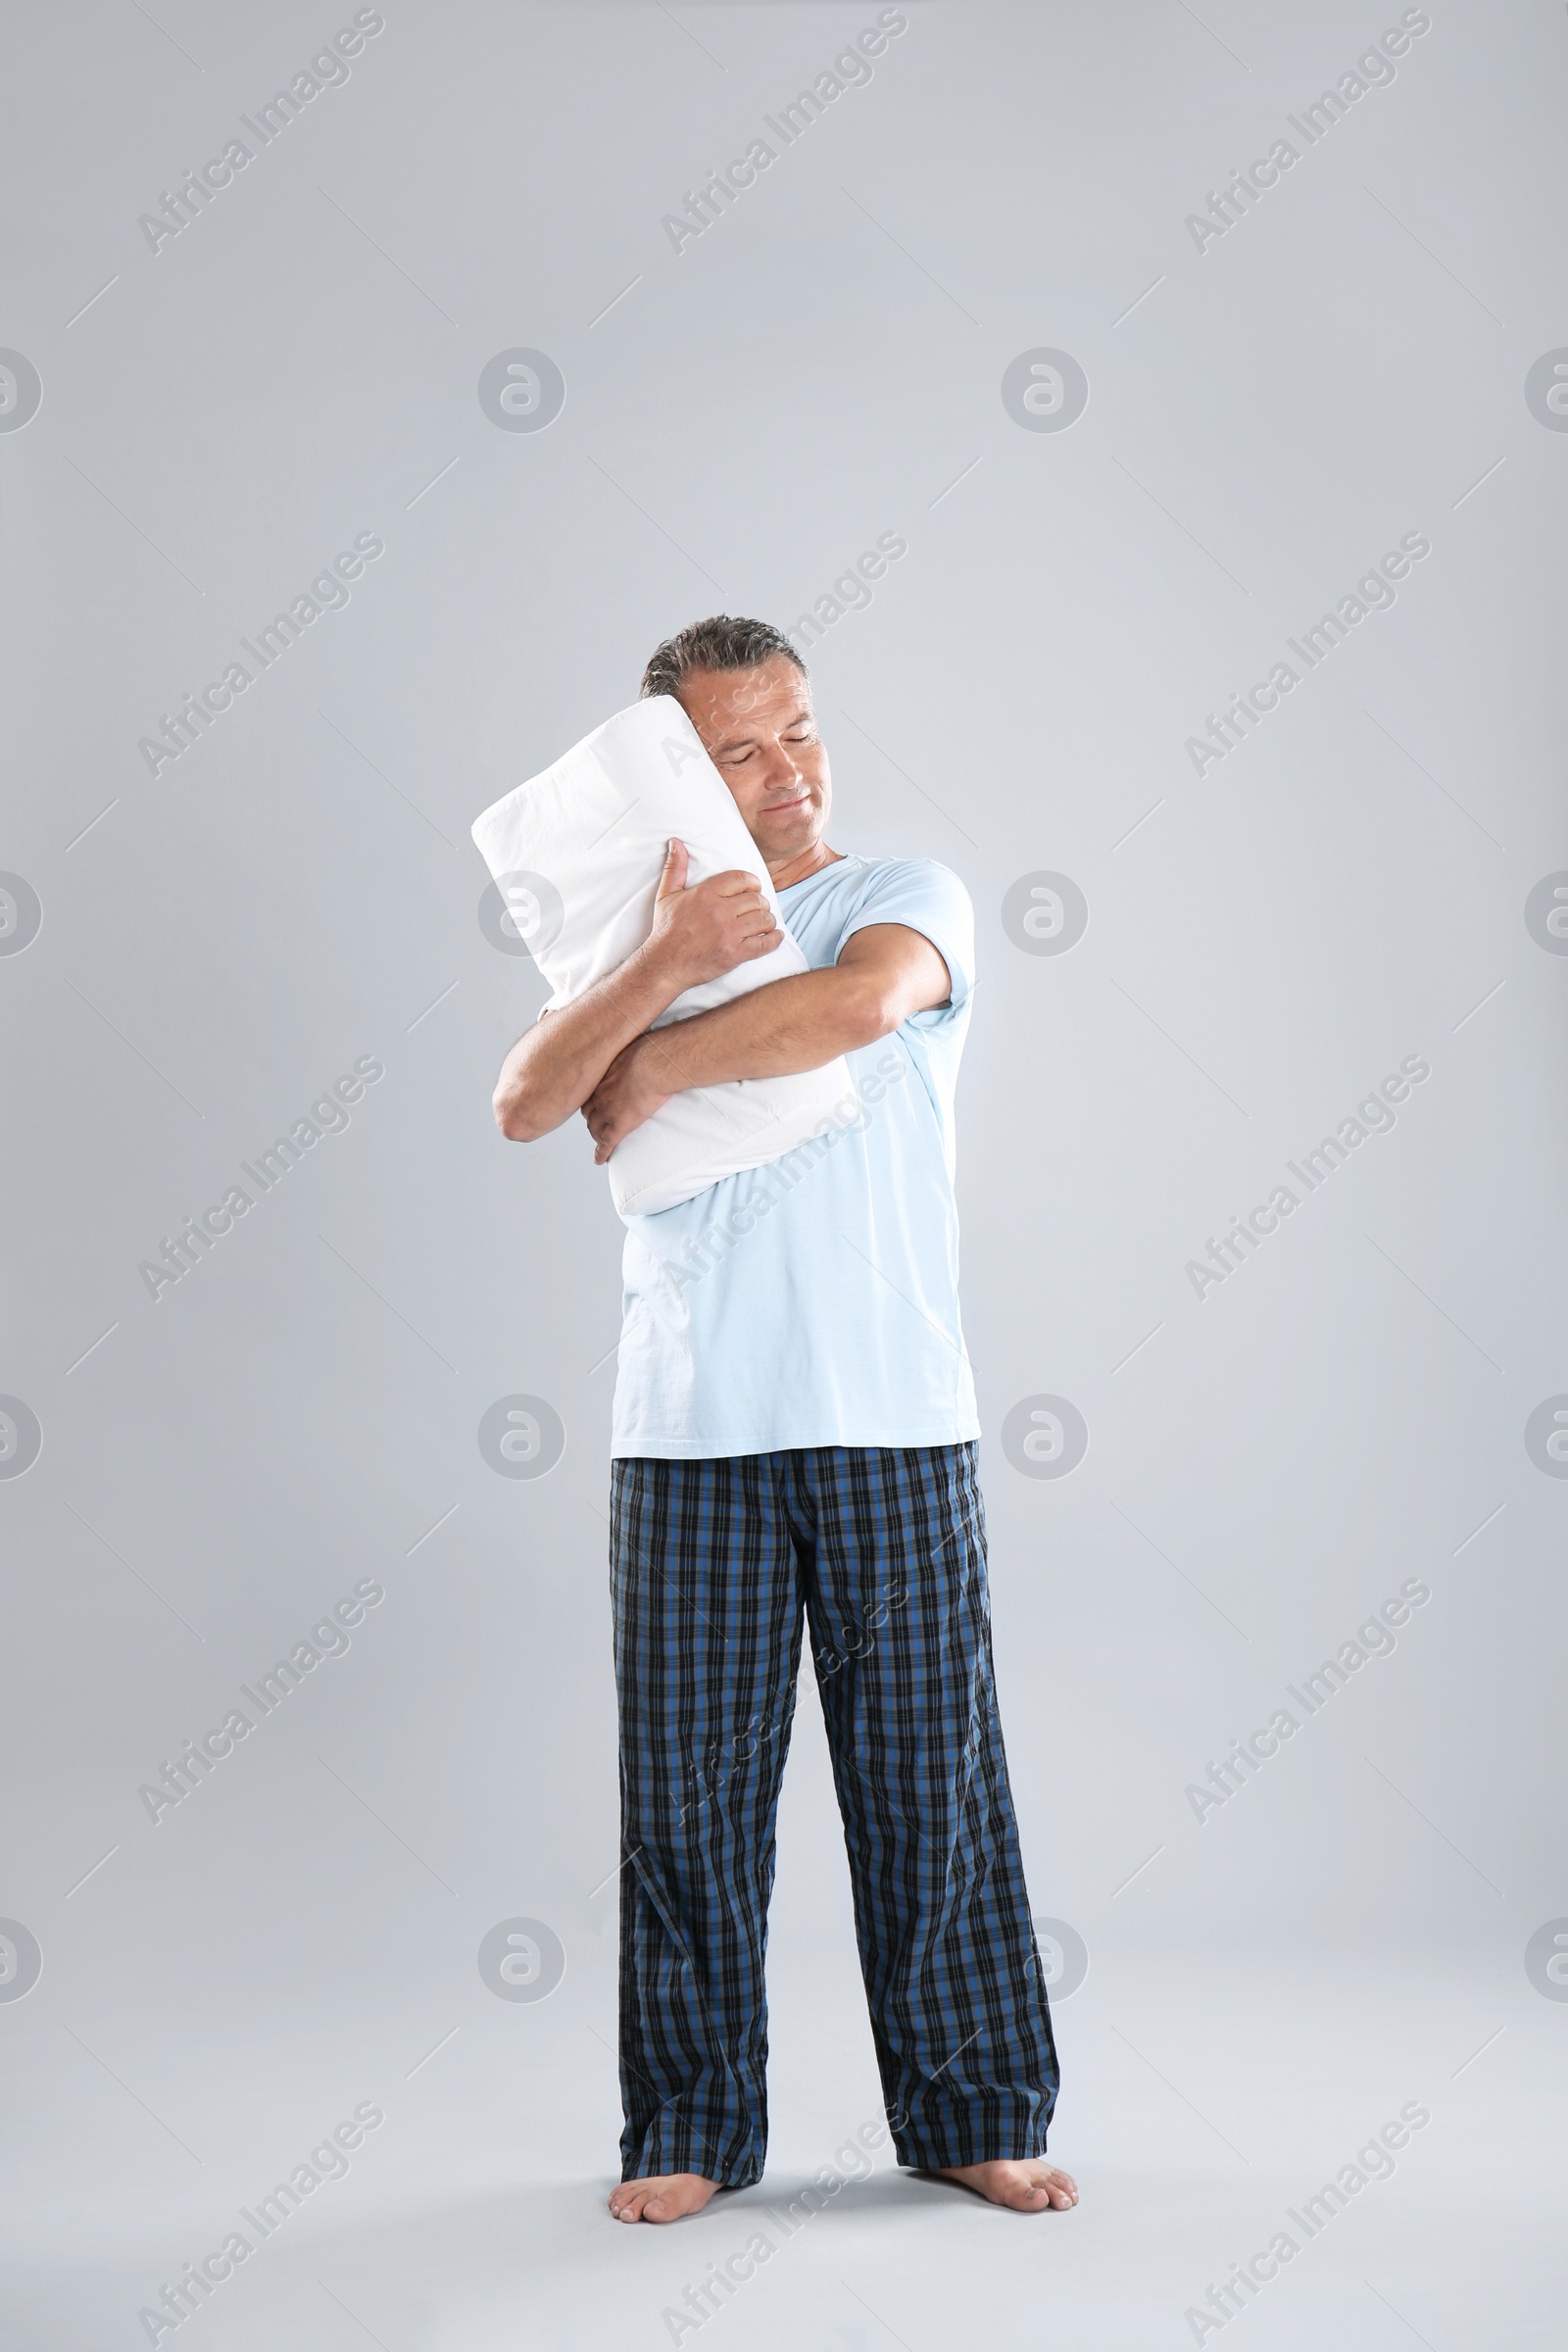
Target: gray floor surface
[[1207, 2097]]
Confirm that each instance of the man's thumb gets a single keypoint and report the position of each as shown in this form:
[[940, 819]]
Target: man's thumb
[[673, 877]]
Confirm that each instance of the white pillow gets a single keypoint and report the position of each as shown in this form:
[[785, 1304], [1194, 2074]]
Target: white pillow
[[577, 853]]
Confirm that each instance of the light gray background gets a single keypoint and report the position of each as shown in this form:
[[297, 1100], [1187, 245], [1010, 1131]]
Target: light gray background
[[1264, 1468]]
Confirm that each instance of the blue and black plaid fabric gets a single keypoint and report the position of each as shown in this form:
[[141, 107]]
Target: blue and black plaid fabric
[[711, 1563]]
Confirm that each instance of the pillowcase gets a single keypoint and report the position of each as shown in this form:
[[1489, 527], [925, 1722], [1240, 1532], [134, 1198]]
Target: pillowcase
[[576, 853]]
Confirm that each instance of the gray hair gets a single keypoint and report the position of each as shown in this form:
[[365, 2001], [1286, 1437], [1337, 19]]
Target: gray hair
[[722, 643]]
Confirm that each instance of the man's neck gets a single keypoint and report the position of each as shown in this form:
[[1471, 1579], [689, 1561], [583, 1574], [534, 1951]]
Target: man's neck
[[809, 861]]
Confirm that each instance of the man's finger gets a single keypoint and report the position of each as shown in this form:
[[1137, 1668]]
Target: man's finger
[[673, 877]]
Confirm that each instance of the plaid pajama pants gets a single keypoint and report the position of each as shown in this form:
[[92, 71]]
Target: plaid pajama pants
[[710, 1565]]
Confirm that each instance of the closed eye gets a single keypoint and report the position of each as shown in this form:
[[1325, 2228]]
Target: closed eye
[[741, 753]]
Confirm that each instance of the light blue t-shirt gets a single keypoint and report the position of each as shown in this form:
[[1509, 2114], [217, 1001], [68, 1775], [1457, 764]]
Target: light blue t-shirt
[[814, 1302]]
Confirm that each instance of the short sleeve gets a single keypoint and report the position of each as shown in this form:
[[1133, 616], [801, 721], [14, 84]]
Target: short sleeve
[[931, 899]]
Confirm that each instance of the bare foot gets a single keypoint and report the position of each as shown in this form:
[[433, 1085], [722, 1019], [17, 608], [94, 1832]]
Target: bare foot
[[665, 2198], [1029, 2185]]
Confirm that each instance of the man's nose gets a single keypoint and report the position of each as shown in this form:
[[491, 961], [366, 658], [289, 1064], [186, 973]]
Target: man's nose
[[782, 764]]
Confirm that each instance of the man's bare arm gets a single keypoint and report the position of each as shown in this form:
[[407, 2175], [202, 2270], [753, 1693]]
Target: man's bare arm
[[698, 933], [885, 973]]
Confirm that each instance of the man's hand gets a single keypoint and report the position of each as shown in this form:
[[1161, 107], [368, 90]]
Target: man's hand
[[696, 935], [641, 1078], [701, 933], [884, 974]]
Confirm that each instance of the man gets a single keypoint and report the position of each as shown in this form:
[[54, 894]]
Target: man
[[794, 1430]]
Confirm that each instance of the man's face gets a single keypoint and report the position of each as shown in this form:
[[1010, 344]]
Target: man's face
[[759, 729]]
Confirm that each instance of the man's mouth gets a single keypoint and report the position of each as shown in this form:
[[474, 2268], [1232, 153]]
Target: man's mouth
[[796, 801]]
